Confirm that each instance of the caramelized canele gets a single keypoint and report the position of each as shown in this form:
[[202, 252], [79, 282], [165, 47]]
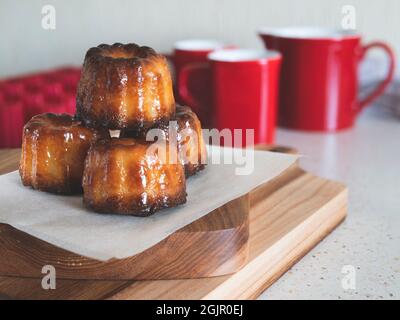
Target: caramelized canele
[[54, 148], [128, 176], [124, 86], [191, 146]]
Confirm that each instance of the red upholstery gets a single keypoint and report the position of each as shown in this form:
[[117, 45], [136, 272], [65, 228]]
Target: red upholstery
[[23, 97]]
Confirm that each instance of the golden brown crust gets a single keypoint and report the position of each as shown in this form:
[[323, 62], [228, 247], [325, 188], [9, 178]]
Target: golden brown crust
[[54, 148], [123, 176], [124, 86], [190, 140]]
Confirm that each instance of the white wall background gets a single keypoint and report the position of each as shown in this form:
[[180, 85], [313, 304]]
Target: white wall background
[[25, 46]]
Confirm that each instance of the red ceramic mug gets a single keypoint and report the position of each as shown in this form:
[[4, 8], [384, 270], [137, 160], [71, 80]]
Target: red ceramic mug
[[187, 54], [245, 90], [319, 78]]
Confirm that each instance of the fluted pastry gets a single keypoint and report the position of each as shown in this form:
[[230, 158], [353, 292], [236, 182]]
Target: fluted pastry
[[124, 86], [191, 146], [54, 148], [125, 176]]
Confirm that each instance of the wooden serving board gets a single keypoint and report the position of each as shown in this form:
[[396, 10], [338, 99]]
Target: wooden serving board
[[288, 216], [221, 236]]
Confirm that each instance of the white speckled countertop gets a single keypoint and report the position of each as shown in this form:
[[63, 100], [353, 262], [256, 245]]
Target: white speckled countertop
[[367, 159]]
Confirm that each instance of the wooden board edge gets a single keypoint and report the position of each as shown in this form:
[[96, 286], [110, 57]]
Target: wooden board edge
[[296, 255], [225, 291], [144, 265]]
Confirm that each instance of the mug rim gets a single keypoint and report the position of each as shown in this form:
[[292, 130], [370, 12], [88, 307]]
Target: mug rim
[[198, 45], [311, 33], [247, 55]]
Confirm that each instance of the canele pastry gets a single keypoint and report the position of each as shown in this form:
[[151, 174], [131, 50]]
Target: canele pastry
[[54, 148], [192, 149], [127, 176], [124, 86], [191, 146]]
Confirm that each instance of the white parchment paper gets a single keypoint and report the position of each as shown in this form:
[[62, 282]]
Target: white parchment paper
[[64, 222]]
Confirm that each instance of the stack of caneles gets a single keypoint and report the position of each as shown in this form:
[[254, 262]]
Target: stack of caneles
[[127, 88]]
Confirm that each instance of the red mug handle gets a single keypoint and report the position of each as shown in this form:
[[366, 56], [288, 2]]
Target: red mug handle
[[382, 86], [183, 81]]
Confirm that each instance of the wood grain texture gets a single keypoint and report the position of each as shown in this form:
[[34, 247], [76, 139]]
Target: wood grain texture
[[221, 236], [288, 216], [9, 160]]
